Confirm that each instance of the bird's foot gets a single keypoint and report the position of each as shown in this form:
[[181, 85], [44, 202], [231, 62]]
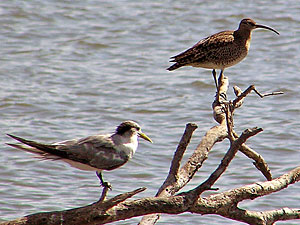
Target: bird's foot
[[106, 185]]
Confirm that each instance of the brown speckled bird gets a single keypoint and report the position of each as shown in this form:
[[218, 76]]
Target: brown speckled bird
[[219, 51]]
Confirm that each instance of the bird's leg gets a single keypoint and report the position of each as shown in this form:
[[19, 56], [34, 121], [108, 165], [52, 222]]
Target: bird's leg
[[221, 76], [215, 77], [103, 184], [103, 195]]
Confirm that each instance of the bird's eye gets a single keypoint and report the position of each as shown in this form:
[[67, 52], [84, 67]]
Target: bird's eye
[[250, 22]]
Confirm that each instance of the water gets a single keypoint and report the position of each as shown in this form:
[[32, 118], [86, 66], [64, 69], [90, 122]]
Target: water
[[74, 68]]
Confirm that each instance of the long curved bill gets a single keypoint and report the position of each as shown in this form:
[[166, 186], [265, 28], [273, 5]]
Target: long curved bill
[[265, 27], [145, 137]]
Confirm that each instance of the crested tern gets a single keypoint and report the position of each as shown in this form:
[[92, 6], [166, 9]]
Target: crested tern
[[92, 153]]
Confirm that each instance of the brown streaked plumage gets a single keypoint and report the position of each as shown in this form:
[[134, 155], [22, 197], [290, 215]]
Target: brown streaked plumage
[[97, 152], [220, 50]]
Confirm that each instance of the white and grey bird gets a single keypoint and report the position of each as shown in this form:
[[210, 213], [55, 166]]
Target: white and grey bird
[[93, 153]]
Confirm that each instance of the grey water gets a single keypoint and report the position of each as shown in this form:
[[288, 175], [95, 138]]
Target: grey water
[[76, 68]]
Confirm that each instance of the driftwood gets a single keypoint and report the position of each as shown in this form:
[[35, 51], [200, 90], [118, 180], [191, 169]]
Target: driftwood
[[168, 201]]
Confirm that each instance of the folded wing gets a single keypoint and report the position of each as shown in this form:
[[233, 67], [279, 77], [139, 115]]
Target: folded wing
[[97, 152]]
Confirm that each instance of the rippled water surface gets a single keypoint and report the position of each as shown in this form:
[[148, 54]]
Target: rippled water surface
[[74, 68]]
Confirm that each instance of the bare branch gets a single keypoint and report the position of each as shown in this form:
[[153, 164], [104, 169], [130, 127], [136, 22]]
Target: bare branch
[[281, 215], [259, 163], [266, 217], [223, 85], [221, 97], [229, 121], [267, 94], [213, 136], [235, 146], [187, 171], [122, 197], [181, 148], [171, 186], [91, 214], [224, 204], [248, 90], [238, 92]]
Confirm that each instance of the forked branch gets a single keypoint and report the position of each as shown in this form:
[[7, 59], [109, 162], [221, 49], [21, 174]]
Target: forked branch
[[224, 204]]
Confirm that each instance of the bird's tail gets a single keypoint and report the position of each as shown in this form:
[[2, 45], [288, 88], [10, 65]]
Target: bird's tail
[[26, 148], [43, 150], [174, 66]]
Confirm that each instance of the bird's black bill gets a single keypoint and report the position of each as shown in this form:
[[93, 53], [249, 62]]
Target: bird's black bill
[[265, 27]]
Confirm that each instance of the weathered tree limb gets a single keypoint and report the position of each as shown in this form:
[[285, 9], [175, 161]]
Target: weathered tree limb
[[234, 147], [268, 217], [218, 133], [259, 161], [90, 214], [171, 186], [224, 204], [233, 197], [220, 116], [182, 146], [188, 170], [252, 88], [221, 97], [223, 85]]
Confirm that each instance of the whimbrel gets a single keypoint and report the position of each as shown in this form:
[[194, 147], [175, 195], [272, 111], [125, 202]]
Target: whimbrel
[[97, 152], [219, 51]]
